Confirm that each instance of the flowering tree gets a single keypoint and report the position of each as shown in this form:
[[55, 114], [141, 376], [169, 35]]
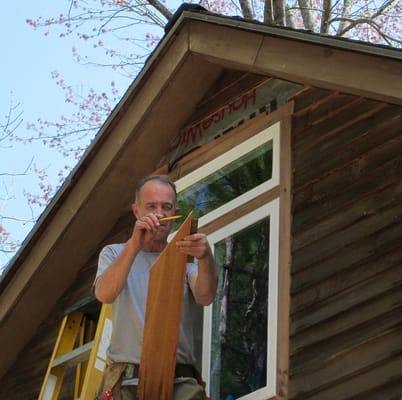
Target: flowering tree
[[134, 27], [121, 34]]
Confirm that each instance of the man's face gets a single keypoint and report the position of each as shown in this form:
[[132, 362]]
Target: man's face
[[157, 198]]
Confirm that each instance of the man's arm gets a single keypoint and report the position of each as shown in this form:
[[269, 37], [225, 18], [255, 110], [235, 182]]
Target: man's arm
[[203, 283], [109, 285]]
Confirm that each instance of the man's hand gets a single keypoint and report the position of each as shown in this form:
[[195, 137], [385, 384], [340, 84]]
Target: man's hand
[[145, 230], [195, 245], [204, 282]]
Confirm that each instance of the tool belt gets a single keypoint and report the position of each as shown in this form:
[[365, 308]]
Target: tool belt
[[182, 371], [110, 384], [110, 387]]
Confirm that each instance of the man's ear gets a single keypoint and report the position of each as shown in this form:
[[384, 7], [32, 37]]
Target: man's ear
[[134, 207]]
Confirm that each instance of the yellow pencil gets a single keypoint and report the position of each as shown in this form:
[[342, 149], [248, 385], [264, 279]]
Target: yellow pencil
[[170, 218]]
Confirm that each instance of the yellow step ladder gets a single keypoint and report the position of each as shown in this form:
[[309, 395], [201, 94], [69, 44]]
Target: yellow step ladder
[[81, 343]]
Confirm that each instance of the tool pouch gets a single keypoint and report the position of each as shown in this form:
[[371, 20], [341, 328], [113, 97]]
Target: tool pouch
[[198, 377], [110, 387]]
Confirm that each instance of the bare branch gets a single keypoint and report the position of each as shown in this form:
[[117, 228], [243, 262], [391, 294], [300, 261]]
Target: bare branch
[[279, 12], [274, 12], [305, 8], [161, 8], [12, 122], [246, 9], [11, 251], [326, 15], [349, 23], [384, 8], [347, 6], [19, 173], [367, 21], [24, 220], [268, 12], [290, 17]]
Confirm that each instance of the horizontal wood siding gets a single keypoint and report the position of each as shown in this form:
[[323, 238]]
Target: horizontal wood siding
[[346, 292]]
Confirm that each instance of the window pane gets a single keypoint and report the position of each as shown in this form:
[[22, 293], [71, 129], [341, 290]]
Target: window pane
[[239, 322], [228, 183]]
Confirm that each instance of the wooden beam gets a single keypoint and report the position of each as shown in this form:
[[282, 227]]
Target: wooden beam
[[162, 321], [315, 64], [285, 254], [330, 68], [232, 48]]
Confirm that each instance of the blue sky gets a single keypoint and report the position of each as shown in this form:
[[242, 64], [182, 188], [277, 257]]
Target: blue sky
[[28, 59]]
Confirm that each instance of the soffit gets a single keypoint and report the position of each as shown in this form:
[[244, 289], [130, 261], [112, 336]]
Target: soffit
[[317, 64]]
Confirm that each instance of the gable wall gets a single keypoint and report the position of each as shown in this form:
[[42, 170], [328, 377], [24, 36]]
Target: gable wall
[[346, 312]]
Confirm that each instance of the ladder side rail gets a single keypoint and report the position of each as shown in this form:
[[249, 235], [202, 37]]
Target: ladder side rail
[[97, 358], [66, 338]]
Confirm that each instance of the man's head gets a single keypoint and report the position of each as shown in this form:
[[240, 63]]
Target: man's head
[[156, 195], [161, 178]]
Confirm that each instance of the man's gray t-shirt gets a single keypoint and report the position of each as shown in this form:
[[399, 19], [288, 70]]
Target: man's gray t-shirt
[[128, 309]]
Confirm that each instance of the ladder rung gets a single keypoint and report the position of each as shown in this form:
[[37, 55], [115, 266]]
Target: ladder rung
[[75, 356]]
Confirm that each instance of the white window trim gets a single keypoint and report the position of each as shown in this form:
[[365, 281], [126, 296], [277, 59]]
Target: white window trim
[[270, 133], [270, 209]]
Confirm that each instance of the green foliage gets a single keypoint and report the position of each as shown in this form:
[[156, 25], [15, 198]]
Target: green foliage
[[242, 300]]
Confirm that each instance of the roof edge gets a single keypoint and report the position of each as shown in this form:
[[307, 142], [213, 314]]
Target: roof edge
[[199, 13]]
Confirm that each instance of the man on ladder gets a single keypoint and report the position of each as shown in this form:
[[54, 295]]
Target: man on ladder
[[122, 281]]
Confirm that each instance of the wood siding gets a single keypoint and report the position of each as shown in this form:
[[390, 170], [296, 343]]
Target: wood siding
[[346, 292]]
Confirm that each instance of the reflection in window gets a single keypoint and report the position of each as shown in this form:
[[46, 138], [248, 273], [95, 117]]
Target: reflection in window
[[229, 182], [239, 322]]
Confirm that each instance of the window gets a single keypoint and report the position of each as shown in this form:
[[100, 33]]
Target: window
[[240, 327], [232, 178], [236, 197]]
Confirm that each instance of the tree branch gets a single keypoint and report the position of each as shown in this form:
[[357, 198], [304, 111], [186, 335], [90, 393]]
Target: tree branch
[[268, 12], [305, 9], [326, 15], [11, 123], [161, 8], [279, 12], [347, 6], [368, 20], [246, 9], [290, 19]]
